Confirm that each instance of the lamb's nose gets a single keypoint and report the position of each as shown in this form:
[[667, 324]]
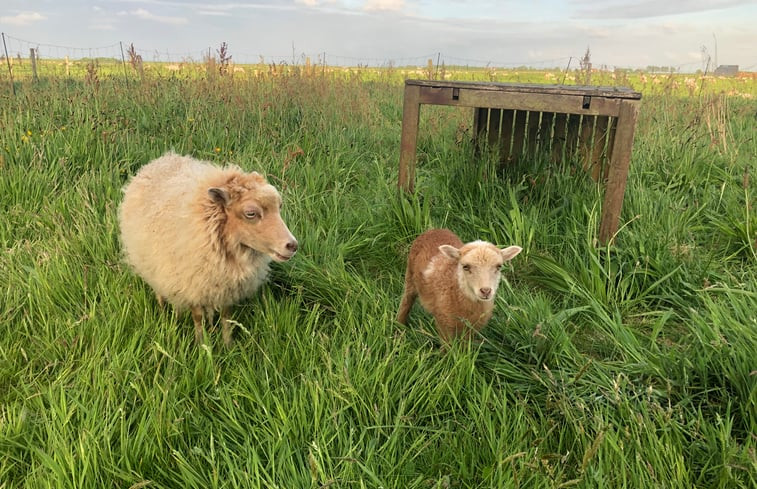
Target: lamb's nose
[[292, 246], [485, 292]]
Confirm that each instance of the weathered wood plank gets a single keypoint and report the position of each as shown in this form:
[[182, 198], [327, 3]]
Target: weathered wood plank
[[571, 136], [532, 133], [411, 109], [558, 137], [617, 173], [545, 131], [523, 88], [478, 127], [495, 120], [585, 144], [527, 101], [599, 152], [519, 133], [506, 135]]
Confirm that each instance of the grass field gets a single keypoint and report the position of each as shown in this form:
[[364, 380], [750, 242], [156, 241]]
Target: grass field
[[625, 366]]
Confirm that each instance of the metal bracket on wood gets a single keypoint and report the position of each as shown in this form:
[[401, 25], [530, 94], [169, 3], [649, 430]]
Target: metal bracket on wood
[[587, 102]]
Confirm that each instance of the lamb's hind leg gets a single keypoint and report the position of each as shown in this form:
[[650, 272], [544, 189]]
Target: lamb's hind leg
[[408, 299]]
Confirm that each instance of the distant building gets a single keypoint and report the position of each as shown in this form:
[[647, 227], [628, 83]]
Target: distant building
[[727, 70]]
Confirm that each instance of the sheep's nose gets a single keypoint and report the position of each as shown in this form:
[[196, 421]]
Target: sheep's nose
[[292, 246], [485, 292]]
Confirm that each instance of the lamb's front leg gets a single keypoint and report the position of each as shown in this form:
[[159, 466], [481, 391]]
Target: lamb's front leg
[[448, 327]]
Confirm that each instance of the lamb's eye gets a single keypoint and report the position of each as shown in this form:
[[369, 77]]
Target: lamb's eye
[[498, 267], [466, 268], [251, 214]]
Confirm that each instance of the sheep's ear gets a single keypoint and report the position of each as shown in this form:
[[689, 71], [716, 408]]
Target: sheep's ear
[[510, 252], [450, 251], [219, 195]]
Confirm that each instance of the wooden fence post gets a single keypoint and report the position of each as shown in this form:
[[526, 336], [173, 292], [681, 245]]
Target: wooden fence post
[[33, 57], [10, 66]]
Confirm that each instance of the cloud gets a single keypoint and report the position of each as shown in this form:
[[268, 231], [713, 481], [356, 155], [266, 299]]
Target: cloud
[[214, 13], [384, 5], [24, 18], [143, 14], [638, 9]]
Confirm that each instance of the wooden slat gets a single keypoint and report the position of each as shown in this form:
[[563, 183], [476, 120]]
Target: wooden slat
[[495, 122], [506, 135], [480, 116], [532, 133], [599, 149], [571, 136], [586, 142], [545, 132], [558, 137], [611, 130], [519, 132]]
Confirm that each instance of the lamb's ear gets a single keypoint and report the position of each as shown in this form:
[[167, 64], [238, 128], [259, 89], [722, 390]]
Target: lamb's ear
[[510, 252], [219, 195], [450, 251]]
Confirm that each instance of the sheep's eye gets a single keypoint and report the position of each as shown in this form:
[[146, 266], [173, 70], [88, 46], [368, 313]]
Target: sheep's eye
[[466, 268], [251, 214], [498, 267]]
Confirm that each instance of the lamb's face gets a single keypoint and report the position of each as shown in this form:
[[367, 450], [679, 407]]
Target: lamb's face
[[254, 220], [478, 270], [479, 267]]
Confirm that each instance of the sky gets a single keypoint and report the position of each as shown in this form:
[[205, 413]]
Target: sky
[[539, 33]]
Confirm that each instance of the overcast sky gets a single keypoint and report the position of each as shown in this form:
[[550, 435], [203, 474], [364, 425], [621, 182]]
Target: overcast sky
[[542, 33]]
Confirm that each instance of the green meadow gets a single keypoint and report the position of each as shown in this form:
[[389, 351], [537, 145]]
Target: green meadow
[[629, 365]]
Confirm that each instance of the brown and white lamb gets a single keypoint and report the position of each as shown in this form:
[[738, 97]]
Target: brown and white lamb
[[202, 236], [455, 282]]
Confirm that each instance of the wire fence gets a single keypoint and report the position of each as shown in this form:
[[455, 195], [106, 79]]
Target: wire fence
[[28, 60], [19, 49]]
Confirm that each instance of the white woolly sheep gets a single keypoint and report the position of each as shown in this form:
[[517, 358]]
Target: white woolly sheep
[[456, 283], [202, 236]]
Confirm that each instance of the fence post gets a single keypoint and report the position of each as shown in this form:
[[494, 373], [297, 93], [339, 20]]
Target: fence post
[[10, 68], [33, 57]]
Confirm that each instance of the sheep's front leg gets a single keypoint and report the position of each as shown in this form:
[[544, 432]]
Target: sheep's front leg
[[198, 314], [227, 328]]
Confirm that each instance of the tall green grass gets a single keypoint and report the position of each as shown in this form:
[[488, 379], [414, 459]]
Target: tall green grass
[[623, 366]]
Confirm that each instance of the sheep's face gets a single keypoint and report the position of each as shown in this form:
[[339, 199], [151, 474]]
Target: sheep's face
[[253, 218], [479, 267]]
